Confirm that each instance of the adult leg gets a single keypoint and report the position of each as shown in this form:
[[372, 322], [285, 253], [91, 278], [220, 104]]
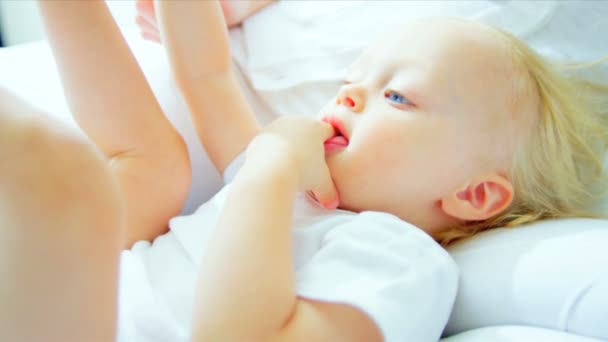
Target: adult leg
[[60, 231]]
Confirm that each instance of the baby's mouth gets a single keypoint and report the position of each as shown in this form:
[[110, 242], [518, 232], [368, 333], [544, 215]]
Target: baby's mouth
[[335, 143], [339, 140]]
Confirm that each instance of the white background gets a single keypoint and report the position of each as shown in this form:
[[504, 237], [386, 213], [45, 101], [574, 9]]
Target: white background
[[20, 21]]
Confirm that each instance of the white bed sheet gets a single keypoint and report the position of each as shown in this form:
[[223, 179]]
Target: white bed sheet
[[511, 333]]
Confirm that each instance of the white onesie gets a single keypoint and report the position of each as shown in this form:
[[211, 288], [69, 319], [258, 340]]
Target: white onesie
[[389, 269]]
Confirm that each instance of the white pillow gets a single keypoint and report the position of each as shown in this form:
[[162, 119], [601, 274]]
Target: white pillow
[[516, 334], [551, 274]]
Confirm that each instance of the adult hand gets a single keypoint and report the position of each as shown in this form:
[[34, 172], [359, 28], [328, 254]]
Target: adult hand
[[146, 20], [234, 13], [299, 140]]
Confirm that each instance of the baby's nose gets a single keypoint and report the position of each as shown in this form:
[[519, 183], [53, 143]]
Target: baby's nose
[[348, 101], [351, 97]]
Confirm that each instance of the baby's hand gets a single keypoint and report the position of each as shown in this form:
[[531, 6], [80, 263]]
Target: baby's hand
[[234, 13], [300, 141]]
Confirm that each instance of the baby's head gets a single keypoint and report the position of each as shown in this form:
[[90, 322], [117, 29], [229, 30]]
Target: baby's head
[[457, 127]]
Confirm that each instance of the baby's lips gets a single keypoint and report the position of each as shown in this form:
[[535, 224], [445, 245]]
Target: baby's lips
[[338, 126]]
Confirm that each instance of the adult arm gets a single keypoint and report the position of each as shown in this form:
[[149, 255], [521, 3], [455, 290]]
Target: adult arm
[[234, 14]]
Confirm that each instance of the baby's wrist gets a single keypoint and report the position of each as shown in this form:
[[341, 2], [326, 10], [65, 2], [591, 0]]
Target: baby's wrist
[[268, 157], [267, 176]]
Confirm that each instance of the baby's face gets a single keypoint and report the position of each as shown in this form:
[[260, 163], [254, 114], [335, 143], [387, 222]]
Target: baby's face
[[422, 111]]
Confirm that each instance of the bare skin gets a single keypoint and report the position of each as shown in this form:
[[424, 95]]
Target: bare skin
[[62, 229], [235, 11], [430, 97], [145, 158]]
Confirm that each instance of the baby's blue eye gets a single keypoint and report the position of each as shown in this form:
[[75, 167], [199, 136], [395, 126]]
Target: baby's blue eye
[[395, 97]]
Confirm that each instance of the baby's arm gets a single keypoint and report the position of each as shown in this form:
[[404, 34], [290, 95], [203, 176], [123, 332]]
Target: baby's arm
[[196, 39], [247, 285], [112, 102]]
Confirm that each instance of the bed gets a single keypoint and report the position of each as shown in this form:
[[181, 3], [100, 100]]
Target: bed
[[544, 282]]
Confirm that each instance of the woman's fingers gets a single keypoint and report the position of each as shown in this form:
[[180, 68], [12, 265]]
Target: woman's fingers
[[145, 25], [145, 8], [146, 20], [148, 31], [151, 37]]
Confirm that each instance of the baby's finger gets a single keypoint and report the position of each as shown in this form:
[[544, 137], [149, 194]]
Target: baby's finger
[[327, 131], [326, 192]]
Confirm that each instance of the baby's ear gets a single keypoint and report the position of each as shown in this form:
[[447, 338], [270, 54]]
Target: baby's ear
[[480, 199]]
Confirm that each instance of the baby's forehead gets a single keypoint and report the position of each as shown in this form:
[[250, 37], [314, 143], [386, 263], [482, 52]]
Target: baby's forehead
[[446, 44], [442, 38], [462, 61], [446, 49]]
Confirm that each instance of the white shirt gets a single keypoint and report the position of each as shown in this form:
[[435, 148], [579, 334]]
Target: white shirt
[[389, 269]]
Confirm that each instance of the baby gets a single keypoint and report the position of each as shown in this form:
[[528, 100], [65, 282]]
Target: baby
[[442, 129]]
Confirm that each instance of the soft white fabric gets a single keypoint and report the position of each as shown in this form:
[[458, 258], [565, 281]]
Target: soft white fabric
[[516, 334], [156, 291], [551, 274], [394, 272]]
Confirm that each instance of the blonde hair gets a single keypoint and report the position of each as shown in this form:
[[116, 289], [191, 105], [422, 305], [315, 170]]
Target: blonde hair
[[559, 171]]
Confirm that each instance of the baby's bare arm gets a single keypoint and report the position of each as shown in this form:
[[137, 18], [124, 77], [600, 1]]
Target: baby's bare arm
[[196, 38], [112, 102], [247, 285]]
